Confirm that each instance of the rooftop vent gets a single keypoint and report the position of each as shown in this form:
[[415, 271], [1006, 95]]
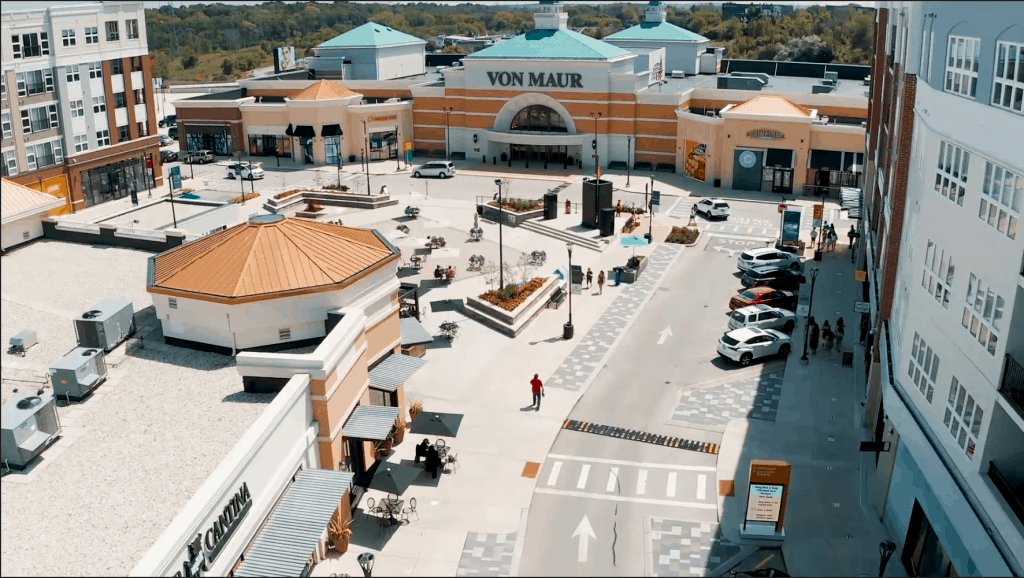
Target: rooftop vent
[[88, 352], [92, 314], [29, 402]]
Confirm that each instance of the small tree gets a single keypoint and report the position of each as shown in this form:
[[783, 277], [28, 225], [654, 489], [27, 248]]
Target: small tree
[[525, 267], [490, 273], [226, 67]]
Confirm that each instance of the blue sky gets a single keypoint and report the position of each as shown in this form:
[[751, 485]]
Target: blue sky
[[9, 5]]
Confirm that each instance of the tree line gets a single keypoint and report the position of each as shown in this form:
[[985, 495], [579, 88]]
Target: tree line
[[180, 36]]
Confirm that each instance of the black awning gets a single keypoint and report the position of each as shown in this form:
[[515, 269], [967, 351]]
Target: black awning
[[288, 131], [331, 130], [829, 160], [304, 130]]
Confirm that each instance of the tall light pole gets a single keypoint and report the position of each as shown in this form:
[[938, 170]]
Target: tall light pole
[[650, 214], [567, 329], [814, 276], [366, 139], [398, 147], [447, 128], [629, 143], [597, 157], [501, 257]]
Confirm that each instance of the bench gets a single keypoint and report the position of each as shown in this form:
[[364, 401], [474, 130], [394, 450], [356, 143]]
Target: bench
[[557, 298]]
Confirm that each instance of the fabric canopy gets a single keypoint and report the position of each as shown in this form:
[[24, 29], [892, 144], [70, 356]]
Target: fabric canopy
[[331, 130], [302, 130]]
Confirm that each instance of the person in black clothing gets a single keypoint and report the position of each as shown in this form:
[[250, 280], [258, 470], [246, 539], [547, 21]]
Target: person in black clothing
[[433, 461], [421, 449], [814, 338]]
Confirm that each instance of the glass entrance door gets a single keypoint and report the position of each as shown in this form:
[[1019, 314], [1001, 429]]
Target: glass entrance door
[[782, 181]]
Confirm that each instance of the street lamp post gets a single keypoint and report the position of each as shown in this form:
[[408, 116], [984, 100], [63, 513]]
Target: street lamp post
[[650, 214], [398, 148], [501, 257], [810, 304], [885, 548], [366, 563], [597, 157], [366, 139], [629, 143], [447, 128], [567, 329]]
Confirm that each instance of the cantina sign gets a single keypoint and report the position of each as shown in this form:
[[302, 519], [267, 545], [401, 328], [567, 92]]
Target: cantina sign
[[551, 79], [765, 134], [205, 547]]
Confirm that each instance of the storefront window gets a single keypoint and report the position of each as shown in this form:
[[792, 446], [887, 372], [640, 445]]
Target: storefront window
[[114, 180], [219, 143], [538, 118], [331, 146], [383, 145], [268, 145]]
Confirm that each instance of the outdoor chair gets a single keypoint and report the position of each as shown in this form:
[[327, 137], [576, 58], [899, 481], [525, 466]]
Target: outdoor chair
[[453, 462], [439, 443], [410, 510]]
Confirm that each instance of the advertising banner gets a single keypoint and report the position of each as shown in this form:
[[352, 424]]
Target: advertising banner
[[791, 223], [55, 186], [695, 161], [175, 178]]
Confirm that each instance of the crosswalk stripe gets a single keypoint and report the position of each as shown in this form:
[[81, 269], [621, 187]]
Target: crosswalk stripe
[[702, 484], [613, 477], [670, 491], [641, 482], [615, 498], [554, 473], [627, 463], [582, 483]]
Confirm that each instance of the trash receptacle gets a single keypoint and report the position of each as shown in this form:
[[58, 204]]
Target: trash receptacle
[[817, 255], [550, 205], [617, 274]]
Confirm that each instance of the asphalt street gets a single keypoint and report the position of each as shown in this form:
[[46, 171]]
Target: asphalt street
[[612, 493]]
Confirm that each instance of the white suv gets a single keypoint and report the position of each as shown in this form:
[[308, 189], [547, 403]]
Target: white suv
[[245, 170], [767, 256], [762, 316], [746, 345], [443, 169], [713, 208]]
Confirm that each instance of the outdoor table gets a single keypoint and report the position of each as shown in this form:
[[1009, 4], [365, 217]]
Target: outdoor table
[[393, 507], [442, 451]]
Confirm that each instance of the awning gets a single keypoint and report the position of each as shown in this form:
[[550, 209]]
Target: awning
[[290, 535], [303, 130], [412, 331], [331, 130], [370, 422], [851, 200], [395, 371]]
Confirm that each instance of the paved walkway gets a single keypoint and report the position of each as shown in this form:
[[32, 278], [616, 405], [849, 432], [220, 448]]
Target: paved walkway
[[587, 358], [681, 548], [754, 397]]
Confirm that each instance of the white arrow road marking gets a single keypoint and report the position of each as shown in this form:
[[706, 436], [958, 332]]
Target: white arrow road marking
[[585, 532], [582, 483], [641, 482], [665, 334], [613, 477], [670, 491], [702, 484], [731, 252], [554, 473]]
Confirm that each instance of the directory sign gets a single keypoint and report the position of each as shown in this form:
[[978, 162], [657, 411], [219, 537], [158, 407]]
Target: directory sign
[[767, 493], [175, 178], [791, 218], [655, 201], [764, 502]]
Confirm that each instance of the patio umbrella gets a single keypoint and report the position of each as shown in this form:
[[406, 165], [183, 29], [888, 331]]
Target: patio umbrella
[[437, 424], [393, 478], [633, 241]]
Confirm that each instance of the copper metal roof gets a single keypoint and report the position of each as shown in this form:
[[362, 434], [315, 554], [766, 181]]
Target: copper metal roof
[[16, 199], [265, 259], [773, 105], [324, 89]]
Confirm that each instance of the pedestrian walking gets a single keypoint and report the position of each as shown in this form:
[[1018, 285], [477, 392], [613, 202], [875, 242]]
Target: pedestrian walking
[[814, 338], [600, 282], [538, 390], [864, 326], [827, 340], [833, 238], [590, 277], [852, 235], [840, 332], [618, 209]]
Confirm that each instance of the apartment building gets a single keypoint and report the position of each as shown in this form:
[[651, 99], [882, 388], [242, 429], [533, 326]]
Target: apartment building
[[77, 102], [944, 256]]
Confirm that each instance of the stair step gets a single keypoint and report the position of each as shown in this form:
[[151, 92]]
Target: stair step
[[561, 235]]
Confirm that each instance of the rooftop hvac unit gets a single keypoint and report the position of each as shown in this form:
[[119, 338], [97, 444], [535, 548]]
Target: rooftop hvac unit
[[80, 371], [21, 341], [29, 425], [820, 89], [106, 324]]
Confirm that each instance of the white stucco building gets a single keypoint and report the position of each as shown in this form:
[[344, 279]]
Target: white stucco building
[[682, 47], [23, 211], [369, 52]]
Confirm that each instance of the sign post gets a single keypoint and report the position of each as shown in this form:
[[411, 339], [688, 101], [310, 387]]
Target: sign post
[[174, 184], [766, 499]]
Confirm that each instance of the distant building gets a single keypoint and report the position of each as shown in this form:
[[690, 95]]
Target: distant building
[[77, 102], [469, 43], [23, 210], [682, 47], [369, 52], [745, 11]]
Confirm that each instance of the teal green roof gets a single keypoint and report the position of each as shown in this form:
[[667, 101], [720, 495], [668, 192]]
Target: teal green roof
[[550, 44], [656, 31], [370, 34]]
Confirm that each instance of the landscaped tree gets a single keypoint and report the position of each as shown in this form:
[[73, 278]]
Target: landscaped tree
[[226, 67]]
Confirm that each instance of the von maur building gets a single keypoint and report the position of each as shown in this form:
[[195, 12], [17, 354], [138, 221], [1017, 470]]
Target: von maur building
[[653, 96]]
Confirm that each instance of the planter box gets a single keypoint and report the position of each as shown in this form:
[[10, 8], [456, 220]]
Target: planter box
[[512, 323], [330, 199], [631, 275], [511, 219]]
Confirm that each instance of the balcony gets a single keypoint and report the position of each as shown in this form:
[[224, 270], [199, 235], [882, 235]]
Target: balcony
[[1012, 385], [1010, 490]]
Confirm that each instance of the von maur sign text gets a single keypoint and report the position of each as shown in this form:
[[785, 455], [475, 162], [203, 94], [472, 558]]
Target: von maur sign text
[[203, 550], [551, 79]]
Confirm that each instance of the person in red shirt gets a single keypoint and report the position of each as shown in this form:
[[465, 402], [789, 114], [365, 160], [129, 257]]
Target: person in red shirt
[[538, 390]]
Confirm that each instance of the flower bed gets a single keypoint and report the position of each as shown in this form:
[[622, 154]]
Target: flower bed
[[682, 235], [519, 205], [510, 302], [245, 197]]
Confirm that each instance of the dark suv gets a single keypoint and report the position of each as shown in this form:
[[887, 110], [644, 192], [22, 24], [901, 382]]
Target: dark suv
[[169, 120], [772, 276]]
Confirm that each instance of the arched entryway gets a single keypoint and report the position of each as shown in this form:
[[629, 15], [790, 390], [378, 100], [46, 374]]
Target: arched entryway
[[533, 128]]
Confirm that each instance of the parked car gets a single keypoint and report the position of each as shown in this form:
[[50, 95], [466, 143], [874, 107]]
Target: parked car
[[750, 343], [713, 208], [762, 317], [168, 156], [173, 132], [773, 276], [245, 170], [202, 157], [166, 140], [443, 169], [169, 120], [764, 296], [767, 256]]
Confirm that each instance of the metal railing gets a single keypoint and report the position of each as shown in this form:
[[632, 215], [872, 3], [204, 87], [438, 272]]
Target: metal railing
[[141, 233], [78, 227], [1006, 489], [1012, 385]]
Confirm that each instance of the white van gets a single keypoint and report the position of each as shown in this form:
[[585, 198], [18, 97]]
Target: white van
[[443, 169]]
